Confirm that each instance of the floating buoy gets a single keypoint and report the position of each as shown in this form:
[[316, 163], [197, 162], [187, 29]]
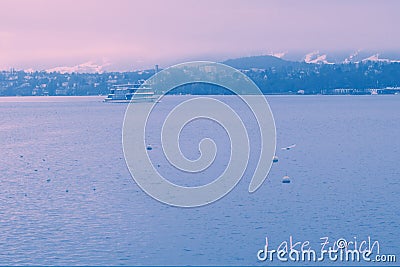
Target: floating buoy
[[149, 147], [48, 180], [286, 179], [275, 159]]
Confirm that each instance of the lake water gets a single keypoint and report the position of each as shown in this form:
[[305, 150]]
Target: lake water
[[67, 197]]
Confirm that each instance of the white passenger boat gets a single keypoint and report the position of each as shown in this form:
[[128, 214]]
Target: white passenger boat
[[125, 93]]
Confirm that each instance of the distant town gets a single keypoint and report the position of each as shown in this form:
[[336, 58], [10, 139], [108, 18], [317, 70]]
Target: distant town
[[273, 76]]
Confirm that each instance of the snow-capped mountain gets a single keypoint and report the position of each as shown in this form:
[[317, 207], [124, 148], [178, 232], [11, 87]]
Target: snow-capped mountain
[[352, 57], [277, 54], [316, 58], [87, 67], [377, 58]]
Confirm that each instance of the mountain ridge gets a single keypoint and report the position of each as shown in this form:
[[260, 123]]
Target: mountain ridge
[[273, 59], [315, 57]]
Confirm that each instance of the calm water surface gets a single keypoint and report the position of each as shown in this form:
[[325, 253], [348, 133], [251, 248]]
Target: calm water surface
[[67, 196]]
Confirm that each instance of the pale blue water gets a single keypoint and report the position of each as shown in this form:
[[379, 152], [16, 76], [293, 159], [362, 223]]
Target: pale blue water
[[67, 196]]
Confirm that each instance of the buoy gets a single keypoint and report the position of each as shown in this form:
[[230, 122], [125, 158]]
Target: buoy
[[286, 179], [275, 159], [48, 180], [149, 147]]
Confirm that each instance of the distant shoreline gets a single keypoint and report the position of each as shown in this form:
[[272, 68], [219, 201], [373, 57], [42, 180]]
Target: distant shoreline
[[103, 96]]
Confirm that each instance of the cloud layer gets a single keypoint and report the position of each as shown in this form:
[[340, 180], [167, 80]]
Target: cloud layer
[[134, 34]]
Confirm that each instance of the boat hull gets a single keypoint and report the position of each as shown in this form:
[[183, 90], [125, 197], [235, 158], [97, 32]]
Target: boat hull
[[133, 100]]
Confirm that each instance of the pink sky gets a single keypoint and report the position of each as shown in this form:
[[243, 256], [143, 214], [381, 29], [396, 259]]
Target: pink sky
[[134, 34]]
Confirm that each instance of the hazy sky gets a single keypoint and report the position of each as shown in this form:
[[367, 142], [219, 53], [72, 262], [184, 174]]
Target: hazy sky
[[134, 34]]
